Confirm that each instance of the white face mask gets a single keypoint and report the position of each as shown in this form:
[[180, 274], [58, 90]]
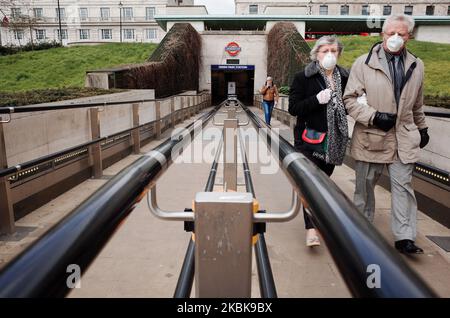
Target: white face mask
[[395, 43], [329, 61]]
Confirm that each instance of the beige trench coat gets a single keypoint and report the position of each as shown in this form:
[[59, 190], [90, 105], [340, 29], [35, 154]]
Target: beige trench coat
[[370, 74]]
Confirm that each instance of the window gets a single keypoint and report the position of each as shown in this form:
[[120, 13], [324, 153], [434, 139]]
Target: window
[[365, 9], [104, 14], [448, 10], [387, 10], [38, 12], [409, 10], [63, 32], [106, 34], [253, 9], [40, 34], [84, 34], [15, 12], [127, 13], [62, 13], [83, 14], [429, 10], [128, 34], [345, 10], [151, 34], [18, 34], [150, 13], [323, 10]]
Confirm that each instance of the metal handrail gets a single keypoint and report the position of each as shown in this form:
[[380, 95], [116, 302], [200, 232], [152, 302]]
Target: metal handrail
[[40, 160], [187, 273], [166, 215], [40, 270], [417, 164], [427, 113], [288, 215], [267, 286], [26, 109], [353, 242]]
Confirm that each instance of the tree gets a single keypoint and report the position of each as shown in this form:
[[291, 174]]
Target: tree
[[22, 21]]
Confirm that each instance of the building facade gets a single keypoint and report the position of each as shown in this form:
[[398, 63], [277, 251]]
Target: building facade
[[83, 21], [335, 7]]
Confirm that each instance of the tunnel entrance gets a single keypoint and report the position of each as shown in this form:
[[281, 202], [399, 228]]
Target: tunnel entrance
[[223, 77]]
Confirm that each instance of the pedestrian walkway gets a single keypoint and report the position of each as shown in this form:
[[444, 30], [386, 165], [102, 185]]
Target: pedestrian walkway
[[144, 257]]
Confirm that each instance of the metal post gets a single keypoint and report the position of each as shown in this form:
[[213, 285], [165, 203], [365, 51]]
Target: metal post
[[230, 154], [232, 113], [186, 109], [6, 207], [172, 112], [96, 149], [223, 251], [59, 22], [120, 20], [158, 119], [191, 106], [135, 133]]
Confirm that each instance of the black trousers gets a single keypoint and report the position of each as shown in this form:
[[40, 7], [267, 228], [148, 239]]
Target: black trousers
[[322, 165]]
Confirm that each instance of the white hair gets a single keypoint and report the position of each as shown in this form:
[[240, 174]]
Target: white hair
[[325, 40], [269, 78], [406, 19]]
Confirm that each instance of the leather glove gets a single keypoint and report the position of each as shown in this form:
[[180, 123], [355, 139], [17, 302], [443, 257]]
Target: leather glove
[[384, 121], [424, 137], [324, 96]]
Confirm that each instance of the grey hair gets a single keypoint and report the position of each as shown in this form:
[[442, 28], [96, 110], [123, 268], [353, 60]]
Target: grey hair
[[325, 40], [407, 19]]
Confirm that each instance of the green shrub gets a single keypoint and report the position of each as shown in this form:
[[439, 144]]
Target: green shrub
[[284, 90], [38, 96], [12, 49]]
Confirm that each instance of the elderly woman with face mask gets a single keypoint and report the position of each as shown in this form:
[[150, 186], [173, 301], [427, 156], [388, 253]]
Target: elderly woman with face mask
[[321, 133]]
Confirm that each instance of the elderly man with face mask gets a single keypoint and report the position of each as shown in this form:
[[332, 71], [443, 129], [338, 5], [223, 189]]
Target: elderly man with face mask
[[315, 97], [384, 95]]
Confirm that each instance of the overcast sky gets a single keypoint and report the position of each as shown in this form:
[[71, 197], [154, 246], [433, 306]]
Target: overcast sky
[[217, 6]]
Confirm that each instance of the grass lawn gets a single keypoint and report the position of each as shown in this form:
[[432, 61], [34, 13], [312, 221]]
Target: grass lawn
[[66, 66], [59, 68], [436, 58]]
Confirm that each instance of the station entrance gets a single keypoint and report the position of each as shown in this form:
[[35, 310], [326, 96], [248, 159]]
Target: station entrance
[[240, 77]]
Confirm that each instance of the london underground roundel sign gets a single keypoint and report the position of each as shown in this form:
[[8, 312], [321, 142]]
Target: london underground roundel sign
[[233, 48]]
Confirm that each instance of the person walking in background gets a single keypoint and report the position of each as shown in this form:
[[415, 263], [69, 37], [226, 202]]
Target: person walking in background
[[384, 95], [315, 97], [270, 98]]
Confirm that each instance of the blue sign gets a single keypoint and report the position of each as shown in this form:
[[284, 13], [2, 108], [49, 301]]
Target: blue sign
[[229, 67]]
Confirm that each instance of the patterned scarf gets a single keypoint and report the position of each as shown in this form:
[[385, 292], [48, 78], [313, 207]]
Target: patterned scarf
[[337, 121]]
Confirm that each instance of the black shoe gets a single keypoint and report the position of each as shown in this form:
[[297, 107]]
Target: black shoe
[[408, 247]]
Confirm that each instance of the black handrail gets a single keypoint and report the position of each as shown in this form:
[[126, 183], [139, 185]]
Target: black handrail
[[40, 160], [187, 273], [418, 164], [37, 108], [355, 245], [265, 276], [437, 114], [40, 270], [37, 161]]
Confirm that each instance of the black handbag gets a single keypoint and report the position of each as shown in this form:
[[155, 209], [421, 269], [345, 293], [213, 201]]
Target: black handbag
[[314, 140]]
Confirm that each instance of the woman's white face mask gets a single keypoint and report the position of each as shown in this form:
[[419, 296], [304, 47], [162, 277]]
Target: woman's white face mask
[[394, 43], [329, 61]]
